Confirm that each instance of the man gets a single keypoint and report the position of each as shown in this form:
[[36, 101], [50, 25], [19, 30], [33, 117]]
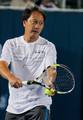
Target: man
[[28, 55]]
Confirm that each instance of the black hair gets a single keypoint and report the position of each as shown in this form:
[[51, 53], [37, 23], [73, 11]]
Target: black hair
[[28, 11]]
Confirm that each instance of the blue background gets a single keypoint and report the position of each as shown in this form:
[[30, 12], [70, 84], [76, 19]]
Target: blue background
[[65, 30]]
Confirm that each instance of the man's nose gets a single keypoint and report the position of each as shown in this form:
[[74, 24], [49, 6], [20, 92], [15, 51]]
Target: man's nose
[[37, 25]]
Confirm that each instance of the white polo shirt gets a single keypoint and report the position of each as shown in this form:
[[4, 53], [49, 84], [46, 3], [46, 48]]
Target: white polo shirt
[[28, 60]]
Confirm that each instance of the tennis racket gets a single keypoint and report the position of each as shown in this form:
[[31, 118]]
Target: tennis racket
[[64, 82]]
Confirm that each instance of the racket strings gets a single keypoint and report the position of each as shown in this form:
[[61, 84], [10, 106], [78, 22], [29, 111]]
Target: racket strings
[[64, 80]]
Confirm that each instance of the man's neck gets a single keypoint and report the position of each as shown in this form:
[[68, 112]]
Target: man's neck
[[30, 39]]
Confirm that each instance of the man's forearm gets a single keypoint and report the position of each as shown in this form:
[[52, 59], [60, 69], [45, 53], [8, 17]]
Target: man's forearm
[[6, 73], [52, 74], [4, 70]]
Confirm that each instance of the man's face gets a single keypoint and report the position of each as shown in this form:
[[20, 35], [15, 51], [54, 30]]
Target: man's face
[[34, 24]]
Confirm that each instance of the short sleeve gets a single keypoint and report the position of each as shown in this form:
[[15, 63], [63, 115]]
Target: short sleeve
[[51, 56], [6, 52]]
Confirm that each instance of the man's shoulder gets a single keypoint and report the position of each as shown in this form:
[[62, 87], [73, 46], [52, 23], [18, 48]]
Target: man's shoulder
[[13, 41], [14, 38], [45, 41]]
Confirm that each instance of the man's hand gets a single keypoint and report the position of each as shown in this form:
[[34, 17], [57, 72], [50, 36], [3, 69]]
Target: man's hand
[[51, 73], [15, 82], [50, 84]]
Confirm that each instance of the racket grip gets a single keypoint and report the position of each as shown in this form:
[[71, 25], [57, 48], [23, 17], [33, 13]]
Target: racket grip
[[24, 82]]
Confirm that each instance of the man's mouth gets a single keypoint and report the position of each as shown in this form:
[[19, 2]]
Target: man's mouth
[[35, 31]]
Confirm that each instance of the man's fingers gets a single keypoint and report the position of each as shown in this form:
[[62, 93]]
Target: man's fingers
[[16, 84]]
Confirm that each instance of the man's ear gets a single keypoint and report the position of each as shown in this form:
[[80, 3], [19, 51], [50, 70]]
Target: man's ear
[[24, 22]]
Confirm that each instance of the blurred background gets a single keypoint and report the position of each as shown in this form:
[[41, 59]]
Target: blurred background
[[74, 4], [63, 27]]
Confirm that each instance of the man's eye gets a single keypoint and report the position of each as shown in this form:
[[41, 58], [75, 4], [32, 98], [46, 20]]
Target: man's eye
[[34, 22], [37, 22], [41, 23]]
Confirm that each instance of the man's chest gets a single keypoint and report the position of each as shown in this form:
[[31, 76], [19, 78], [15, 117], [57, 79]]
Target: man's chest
[[29, 53]]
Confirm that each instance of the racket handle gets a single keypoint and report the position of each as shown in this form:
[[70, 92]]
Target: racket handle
[[28, 82], [24, 82]]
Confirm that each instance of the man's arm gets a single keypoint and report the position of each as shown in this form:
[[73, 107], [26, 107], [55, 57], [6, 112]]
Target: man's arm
[[7, 74], [51, 76]]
